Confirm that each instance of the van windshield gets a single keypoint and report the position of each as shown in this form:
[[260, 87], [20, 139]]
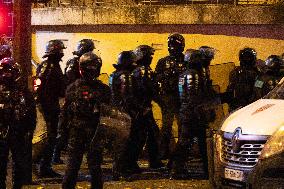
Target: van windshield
[[277, 92]]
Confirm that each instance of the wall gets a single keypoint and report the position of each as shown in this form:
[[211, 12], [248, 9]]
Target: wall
[[139, 14], [109, 45]]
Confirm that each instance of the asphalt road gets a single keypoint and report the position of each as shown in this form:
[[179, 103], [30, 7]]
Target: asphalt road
[[149, 179]]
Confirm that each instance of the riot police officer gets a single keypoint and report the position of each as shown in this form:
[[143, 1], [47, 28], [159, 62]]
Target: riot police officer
[[71, 70], [71, 73], [17, 124], [48, 93], [166, 75], [120, 83], [241, 80], [83, 100], [120, 79], [207, 55], [144, 125], [195, 97], [267, 81], [5, 51]]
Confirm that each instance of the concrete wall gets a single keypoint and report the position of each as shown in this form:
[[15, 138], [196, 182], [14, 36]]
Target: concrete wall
[[190, 14]]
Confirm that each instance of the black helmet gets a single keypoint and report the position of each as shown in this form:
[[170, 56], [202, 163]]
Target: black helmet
[[5, 51], [207, 54], [192, 58], [90, 66], [273, 63], [247, 57], [84, 46], [54, 47], [9, 72], [176, 43], [144, 54], [125, 60], [188, 55], [72, 70]]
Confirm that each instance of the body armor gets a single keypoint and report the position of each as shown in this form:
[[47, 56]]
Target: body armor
[[71, 70], [52, 82], [264, 84], [143, 85], [240, 88], [120, 83], [167, 72]]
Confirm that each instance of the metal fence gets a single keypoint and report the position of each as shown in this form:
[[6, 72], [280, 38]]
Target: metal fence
[[90, 3]]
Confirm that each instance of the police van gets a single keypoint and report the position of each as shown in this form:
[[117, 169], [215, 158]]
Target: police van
[[249, 146]]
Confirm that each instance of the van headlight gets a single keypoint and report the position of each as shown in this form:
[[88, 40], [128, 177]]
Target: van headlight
[[274, 145]]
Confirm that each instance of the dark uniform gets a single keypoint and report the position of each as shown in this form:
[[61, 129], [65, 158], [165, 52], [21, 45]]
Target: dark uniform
[[166, 75], [52, 87], [145, 126], [195, 112], [120, 79], [239, 92], [17, 124], [71, 73], [120, 82], [83, 100], [267, 81]]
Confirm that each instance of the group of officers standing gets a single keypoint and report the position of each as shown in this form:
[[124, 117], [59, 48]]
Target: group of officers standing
[[180, 84]]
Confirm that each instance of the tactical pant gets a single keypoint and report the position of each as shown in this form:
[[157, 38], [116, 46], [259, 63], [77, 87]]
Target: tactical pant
[[153, 139], [79, 142], [51, 118], [143, 127], [169, 109], [190, 129], [62, 136], [20, 145]]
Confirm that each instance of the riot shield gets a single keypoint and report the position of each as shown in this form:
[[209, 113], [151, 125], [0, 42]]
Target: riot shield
[[114, 129], [220, 75], [40, 135]]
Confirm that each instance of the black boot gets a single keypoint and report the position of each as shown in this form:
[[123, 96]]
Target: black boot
[[56, 158], [45, 172]]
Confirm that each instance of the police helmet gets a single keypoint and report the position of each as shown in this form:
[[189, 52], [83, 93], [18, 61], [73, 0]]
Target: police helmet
[[5, 51], [192, 58], [273, 63], [84, 46], [188, 55], [144, 54], [54, 47], [90, 66], [9, 71], [176, 43], [125, 59], [247, 57], [207, 52]]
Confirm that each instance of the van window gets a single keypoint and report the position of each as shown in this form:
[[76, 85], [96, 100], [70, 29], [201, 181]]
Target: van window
[[277, 92]]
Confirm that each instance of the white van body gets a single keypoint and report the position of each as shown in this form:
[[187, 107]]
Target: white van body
[[262, 117], [244, 135]]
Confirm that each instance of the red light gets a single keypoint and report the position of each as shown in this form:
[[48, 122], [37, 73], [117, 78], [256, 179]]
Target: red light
[[5, 20], [37, 83]]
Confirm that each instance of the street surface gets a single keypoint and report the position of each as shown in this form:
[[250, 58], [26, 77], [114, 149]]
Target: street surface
[[149, 179]]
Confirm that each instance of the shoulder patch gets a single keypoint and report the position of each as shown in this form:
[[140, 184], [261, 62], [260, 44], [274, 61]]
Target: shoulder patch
[[258, 84]]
